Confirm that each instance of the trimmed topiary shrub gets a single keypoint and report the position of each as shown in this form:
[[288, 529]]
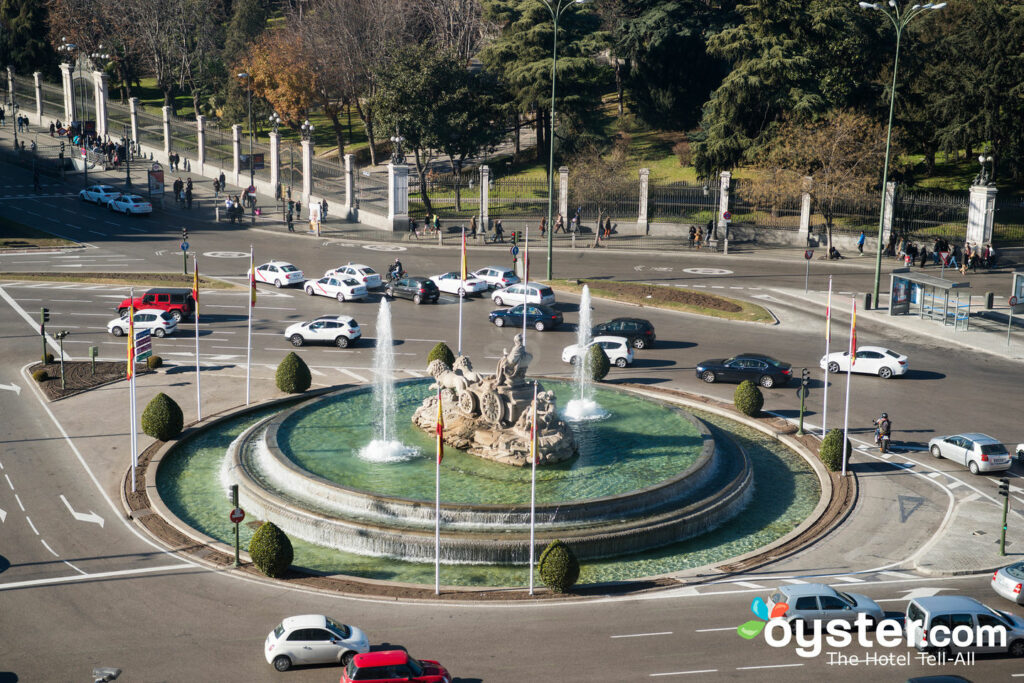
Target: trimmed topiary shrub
[[441, 352], [831, 450], [48, 358], [162, 418], [748, 398], [597, 363], [40, 375], [153, 362], [558, 567], [293, 376], [271, 550]]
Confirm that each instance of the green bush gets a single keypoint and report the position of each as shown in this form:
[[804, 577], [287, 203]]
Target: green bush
[[597, 363], [271, 551], [40, 375], [293, 375], [441, 352], [831, 450], [559, 569], [748, 398], [153, 362], [162, 418], [48, 358]]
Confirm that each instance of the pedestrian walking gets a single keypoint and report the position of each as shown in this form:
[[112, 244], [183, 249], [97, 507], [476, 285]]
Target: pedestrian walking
[[607, 227], [298, 210], [693, 235], [700, 237], [216, 188], [290, 218], [924, 256], [499, 232], [188, 194], [323, 210], [574, 224], [472, 227], [559, 223], [3, 117], [223, 182], [53, 129], [543, 226]]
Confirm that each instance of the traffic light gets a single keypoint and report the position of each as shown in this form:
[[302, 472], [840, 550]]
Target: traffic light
[[805, 376], [515, 237], [184, 234], [44, 315], [1004, 487]]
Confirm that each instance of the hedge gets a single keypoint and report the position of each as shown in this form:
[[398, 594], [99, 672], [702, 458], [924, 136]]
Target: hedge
[[748, 398], [597, 363], [831, 450], [162, 418], [271, 551], [154, 362], [559, 569], [293, 376], [441, 352]]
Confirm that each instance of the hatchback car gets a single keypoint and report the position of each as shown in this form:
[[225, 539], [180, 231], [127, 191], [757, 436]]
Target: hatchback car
[[497, 277], [99, 194], [617, 349], [763, 370], [978, 452], [818, 602], [638, 331], [313, 639], [419, 289], [279, 274], [1008, 581], [340, 330], [340, 288], [539, 318], [389, 666], [130, 204], [159, 323], [524, 293], [362, 273], [871, 360], [451, 283], [994, 631]]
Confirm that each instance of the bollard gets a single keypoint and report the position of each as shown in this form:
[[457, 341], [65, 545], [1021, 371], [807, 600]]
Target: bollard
[[989, 296], [216, 214], [867, 301]]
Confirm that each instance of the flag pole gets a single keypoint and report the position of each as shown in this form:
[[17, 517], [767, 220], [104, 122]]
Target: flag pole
[[437, 494], [252, 304], [195, 297], [828, 338], [131, 380], [462, 285], [533, 480], [849, 374], [526, 276]]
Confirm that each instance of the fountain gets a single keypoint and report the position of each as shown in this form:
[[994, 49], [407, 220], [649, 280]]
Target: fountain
[[583, 407]]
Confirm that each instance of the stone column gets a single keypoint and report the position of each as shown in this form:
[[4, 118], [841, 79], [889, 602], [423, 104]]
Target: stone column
[[200, 141], [805, 211], [981, 214], [100, 82], [38, 77], [485, 191], [236, 146], [890, 202], [307, 171], [68, 84], [398, 196], [724, 181], [275, 161], [133, 113], [10, 84], [167, 131], [350, 185], [563, 195], [641, 219]]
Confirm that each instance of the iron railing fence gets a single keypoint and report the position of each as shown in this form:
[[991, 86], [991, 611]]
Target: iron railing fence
[[217, 145], [927, 215], [849, 216], [682, 203], [53, 102], [519, 197], [782, 214], [372, 193], [151, 130], [84, 102], [597, 199], [451, 196], [1008, 223], [291, 168], [25, 93], [119, 119], [184, 138]]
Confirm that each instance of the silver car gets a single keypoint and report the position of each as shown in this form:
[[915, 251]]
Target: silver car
[[1009, 581], [313, 639], [819, 602], [979, 452]]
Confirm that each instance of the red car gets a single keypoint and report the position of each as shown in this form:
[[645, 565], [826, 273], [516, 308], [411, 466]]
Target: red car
[[391, 666], [177, 302]]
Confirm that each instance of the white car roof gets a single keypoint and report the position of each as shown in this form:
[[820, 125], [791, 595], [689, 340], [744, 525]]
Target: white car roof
[[277, 263], [338, 318], [357, 266], [501, 268], [149, 310], [304, 621], [610, 338]]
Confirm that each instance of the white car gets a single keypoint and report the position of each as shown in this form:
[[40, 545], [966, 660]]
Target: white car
[[497, 277], [871, 360], [617, 349], [313, 639], [340, 330], [340, 288], [279, 274], [360, 272], [159, 323], [130, 203], [99, 194], [452, 283], [524, 293]]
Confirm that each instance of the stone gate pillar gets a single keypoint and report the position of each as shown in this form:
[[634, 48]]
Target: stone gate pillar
[[890, 203], [563, 194], [350, 185], [167, 131], [398, 197], [641, 219], [485, 198], [307, 171], [275, 161], [67, 83], [981, 214], [133, 113], [200, 141], [236, 146], [100, 80], [805, 211], [10, 84], [724, 181]]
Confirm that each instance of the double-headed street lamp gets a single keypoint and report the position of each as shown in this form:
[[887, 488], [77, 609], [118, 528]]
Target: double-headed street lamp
[[556, 12], [900, 18], [252, 167], [14, 111]]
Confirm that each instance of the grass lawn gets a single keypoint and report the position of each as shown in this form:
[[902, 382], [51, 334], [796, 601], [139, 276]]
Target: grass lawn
[[14, 235], [138, 279]]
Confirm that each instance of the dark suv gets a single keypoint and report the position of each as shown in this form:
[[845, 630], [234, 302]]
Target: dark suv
[[177, 302], [638, 331], [419, 289]]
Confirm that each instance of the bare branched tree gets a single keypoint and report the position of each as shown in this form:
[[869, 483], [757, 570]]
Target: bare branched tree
[[453, 26]]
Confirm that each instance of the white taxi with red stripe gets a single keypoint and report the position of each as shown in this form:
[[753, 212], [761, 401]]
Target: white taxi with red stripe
[[338, 287]]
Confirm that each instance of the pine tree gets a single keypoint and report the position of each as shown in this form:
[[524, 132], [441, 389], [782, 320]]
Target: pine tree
[[23, 37]]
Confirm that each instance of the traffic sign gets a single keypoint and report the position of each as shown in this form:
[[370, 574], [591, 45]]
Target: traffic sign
[[1013, 301], [156, 166], [143, 345], [803, 392], [726, 215], [184, 246], [514, 250], [237, 515], [809, 254]]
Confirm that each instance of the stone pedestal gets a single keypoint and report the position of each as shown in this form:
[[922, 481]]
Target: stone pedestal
[[641, 219], [200, 141], [563, 194], [38, 77], [724, 182], [10, 84], [167, 130], [981, 214], [307, 171], [100, 81], [805, 211], [485, 193], [67, 82], [133, 112], [890, 202], [398, 196], [275, 161]]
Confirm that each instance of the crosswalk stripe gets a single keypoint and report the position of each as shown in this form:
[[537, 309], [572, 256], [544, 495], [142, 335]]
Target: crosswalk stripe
[[417, 373], [795, 582], [847, 579], [746, 584], [897, 575], [358, 378], [954, 484]]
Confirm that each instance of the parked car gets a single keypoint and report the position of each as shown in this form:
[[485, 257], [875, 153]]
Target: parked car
[[810, 602], [340, 330], [99, 194], [130, 204], [340, 288], [159, 323], [871, 360], [389, 666], [452, 283], [1007, 581], [177, 302], [419, 289], [538, 317], [638, 331], [313, 639], [952, 611], [497, 277], [758, 368], [978, 452], [362, 273], [524, 293], [617, 349], [279, 274]]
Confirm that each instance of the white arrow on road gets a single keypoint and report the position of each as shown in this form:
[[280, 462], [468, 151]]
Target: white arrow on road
[[915, 593], [3, 516], [82, 516], [160, 252], [11, 387]]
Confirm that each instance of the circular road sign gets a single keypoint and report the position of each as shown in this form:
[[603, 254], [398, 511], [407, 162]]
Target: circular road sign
[[707, 271], [184, 246], [809, 254], [514, 250], [237, 515], [383, 247], [727, 215], [226, 254], [1013, 301]]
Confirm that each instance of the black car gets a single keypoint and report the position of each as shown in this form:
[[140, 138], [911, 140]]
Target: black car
[[419, 289], [756, 367], [638, 331], [538, 317]]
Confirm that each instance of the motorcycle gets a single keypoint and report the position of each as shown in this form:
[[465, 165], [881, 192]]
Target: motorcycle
[[882, 441], [394, 275]]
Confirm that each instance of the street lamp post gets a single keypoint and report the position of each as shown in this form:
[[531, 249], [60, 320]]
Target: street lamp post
[[14, 111], [127, 158], [899, 18], [556, 12]]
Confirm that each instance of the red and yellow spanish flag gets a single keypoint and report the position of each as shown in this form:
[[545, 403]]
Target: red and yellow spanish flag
[[131, 340], [440, 428], [853, 335], [195, 286], [465, 267], [252, 285]]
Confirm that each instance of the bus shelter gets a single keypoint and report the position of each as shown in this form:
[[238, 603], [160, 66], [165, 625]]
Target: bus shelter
[[930, 297]]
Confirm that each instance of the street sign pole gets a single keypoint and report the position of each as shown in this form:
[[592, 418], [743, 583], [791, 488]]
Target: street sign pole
[[808, 255], [1004, 491], [805, 376], [234, 506]]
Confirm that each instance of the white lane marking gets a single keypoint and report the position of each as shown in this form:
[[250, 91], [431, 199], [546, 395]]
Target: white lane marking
[[47, 546], [711, 630], [768, 666], [18, 499], [796, 582], [935, 474], [29, 520], [358, 378], [83, 516], [3, 515], [9, 482], [848, 579], [75, 568], [746, 584], [973, 496], [100, 575], [685, 673], [414, 373], [898, 575], [312, 370], [643, 635], [32, 323]]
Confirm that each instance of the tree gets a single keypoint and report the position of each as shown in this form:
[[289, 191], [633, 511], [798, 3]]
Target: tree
[[23, 43], [162, 419]]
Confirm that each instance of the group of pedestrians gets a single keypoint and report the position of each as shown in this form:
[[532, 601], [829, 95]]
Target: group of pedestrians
[[951, 255], [183, 192], [174, 161], [699, 236]]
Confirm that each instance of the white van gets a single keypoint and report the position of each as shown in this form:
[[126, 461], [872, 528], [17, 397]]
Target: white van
[[956, 623]]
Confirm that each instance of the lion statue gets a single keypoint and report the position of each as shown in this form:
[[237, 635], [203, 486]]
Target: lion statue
[[444, 376]]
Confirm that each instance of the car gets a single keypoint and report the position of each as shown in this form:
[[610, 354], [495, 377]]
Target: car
[[638, 331], [452, 283], [538, 317], [99, 194], [340, 330], [617, 349], [979, 452], [177, 302], [756, 367], [871, 360], [279, 274], [809, 602], [362, 273], [313, 639], [960, 612], [497, 277], [159, 323], [524, 293], [130, 204], [1007, 581], [419, 289], [388, 666], [341, 288]]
